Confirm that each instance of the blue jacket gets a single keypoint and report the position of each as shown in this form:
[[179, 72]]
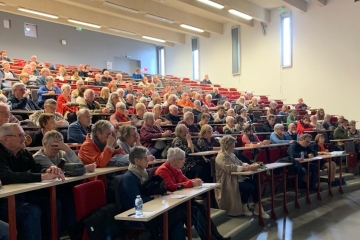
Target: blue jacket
[[76, 133], [274, 138], [137, 76], [17, 104], [43, 90], [40, 81]]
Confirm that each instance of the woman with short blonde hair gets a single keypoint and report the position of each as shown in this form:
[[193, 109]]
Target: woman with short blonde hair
[[104, 95]]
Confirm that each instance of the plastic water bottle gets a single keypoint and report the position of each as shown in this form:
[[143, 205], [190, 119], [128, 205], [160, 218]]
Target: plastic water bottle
[[302, 155], [73, 99], [138, 206]]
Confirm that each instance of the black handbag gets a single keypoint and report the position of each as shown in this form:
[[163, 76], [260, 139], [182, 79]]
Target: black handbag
[[74, 169], [153, 186]]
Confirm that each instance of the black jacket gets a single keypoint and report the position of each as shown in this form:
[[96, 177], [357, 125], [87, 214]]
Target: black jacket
[[295, 149], [267, 127], [172, 118], [37, 139], [19, 169], [17, 104]]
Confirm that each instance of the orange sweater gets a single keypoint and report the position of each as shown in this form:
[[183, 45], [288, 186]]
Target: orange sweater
[[187, 103]]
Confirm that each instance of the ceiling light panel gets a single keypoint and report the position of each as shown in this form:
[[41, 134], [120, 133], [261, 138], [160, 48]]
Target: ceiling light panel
[[211, 3], [159, 18], [84, 23], [191, 28], [240, 14], [153, 39], [113, 5], [38, 13]]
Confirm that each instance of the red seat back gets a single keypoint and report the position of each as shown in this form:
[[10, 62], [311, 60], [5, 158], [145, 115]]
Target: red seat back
[[262, 156], [248, 154], [274, 154], [283, 151]]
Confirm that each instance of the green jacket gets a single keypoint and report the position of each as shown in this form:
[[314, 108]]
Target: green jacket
[[340, 133], [289, 119]]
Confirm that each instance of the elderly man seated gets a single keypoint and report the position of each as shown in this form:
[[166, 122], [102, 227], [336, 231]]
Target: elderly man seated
[[254, 104], [149, 131], [158, 83], [220, 116], [301, 105], [129, 138], [48, 90], [291, 132], [230, 127], [179, 91], [129, 101], [317, 126], [205, 109], [292, 117], [79, 84], [101, 147], [118, 79], [17, 165], [129, 89], [106, 77], [341, 132], [5, 114], [269, 124], [79, 129], [98, 81], [188, 121], [90, 103], [172, 116], [208, 101], [6, 72], [278, 135], [157, 109], [170, 101], [197, 108], [138, 117], [185, 101], [215, 96], [50, 106], [120, 118], [40, 81], [20, 99]]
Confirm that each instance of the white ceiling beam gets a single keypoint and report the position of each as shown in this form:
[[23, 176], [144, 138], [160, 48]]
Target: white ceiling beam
[[106, 21], [158, 9], [221, 12], [258, 13], [321, 3], [140, 17], [299, 4]]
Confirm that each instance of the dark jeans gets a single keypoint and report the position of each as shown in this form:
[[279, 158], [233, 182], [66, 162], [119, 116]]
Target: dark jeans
[[202, 171], [248, 187], [4, 231], [156, 153], [28, 219], [313, 174]]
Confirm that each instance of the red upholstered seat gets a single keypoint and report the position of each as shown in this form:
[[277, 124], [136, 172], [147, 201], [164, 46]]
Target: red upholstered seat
[[274, 154]]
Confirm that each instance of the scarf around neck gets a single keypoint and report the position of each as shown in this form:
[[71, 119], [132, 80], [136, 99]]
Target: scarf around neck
[[97, 142], [141, 174]]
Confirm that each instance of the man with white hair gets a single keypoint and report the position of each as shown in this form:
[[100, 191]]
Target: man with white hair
[[317, 126], [170, 101], [172, 116], [98, 81], [216, 96], [50, 106], [129, 101], [129, 89], [278, 135], [118, 79], [79, 84], [188, 121], [291, 132], [90, 103], [79, 129], [20, 99], [41, 81], [34, 71], [5, 114], [106, 77], [6, 72], [157, 82]]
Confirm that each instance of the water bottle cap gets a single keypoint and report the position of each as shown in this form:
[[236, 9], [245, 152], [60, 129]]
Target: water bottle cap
[[138, 196]]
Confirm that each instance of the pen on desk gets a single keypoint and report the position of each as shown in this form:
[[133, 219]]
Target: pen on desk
[[131, 214]]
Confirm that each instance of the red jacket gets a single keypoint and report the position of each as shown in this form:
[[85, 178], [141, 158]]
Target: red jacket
[[173, 177], [62, 108], [301, 128], [90, 153]]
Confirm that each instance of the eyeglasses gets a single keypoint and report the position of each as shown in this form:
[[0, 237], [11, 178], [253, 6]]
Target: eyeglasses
[[20, 135]]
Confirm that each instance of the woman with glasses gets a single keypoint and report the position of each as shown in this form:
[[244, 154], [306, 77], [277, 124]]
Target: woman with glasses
[[47, 123], [24, 78], [120, 118]]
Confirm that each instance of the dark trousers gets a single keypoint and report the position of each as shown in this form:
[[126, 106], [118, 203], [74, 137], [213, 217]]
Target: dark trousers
[[248, 187], [313, 174], [202, 171]]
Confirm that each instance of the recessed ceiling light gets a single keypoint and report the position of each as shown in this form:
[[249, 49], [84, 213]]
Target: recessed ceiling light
[[240, 14], [191, 28], [154, 39], [159, 18], [84, 23], [211, 3], [113, 5], [121, 31], [38, 13]]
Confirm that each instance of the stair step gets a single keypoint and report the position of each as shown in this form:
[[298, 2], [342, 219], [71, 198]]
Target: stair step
[[325, 171], [234, 226], [346, 176], [218, 216]]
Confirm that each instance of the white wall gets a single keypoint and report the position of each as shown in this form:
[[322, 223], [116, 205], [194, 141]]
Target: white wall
[[326, 57], [82, 47]]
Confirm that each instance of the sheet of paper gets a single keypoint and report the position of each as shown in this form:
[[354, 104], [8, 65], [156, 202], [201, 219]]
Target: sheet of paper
[[145, 214], [318, 157], [176, 196], [336, 152]]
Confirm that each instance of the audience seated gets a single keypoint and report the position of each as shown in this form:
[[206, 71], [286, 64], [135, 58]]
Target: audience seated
[[130, 186], [188, 121], [172, 116], [129, 89], [301, 105], [20, 99], [64, 104], [244, 115], [47, 123], [291, 132], [269, 123], [206, 142], [137, 74], [104, 96], [321, 150], [254, 104], [205, 109], [112, 101], [303, 125], [227, 106], [230, 112], [272, 108], [320, 114], [106, 77], [170, 101], [353, 132], [79, 84], [149, 131], [198, 97], [62, 74], [230, 127], [48, 90], [138, 117], [157, 82], [228, 195], [174, 180], [17, 165], [241, 102], [24, 78], [240, 124], [118, 79], [184, 101], [316, 126], [5, 72], [155, 101], [284, 110], [3, 56], [75, 75], [292, 117], [34, 71], [206, 80], [157, 109], [120, 118], [101, 146], [80, 98], [204, 119], [120, 92], [250, 137], [179, 91], [197, 108], [278, 135], [5, 114], [79, 129], [220, 116], [208, 101], [339, 119], [299, 147], [80, 70], [112, 87], [341, 132], [86, 70], [215, 95], [144, 82], [129, 101], [98, 81], [50, 107], [40, 81], [170, 91], [92, 105]]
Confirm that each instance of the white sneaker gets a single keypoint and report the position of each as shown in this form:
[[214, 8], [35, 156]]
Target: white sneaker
[[246, 211], [263, 213]]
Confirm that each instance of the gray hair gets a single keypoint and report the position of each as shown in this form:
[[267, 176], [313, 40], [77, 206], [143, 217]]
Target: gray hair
[[124, 131], [327, 116], [227, 102], [178, 129], [273, 103], [120, 90], [64, 86], [49, 78], [208, 96], [270, 116], [136, 152], [148, 115], [3, 98], [188, 115], [52, 136], [142, 99], [16, 86], [226, 142], [304, 136], [172, 96], [187, 109], [87, 91], [50, 101], [79, 81], [229, 118], [278, 126], [118, 75], [82, 112], [5, 129], [109, 103], [155, 94], [352, 122], [157, 106], [197, 102], [120, 105], [100, 126], [128, 96], [139, 106], [44, 70], [172, 107], [175, 154]]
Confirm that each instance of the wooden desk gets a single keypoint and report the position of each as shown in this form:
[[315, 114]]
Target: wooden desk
[[101, 114], [156, 208], [23, 112], [345, 140], [71, 145]]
